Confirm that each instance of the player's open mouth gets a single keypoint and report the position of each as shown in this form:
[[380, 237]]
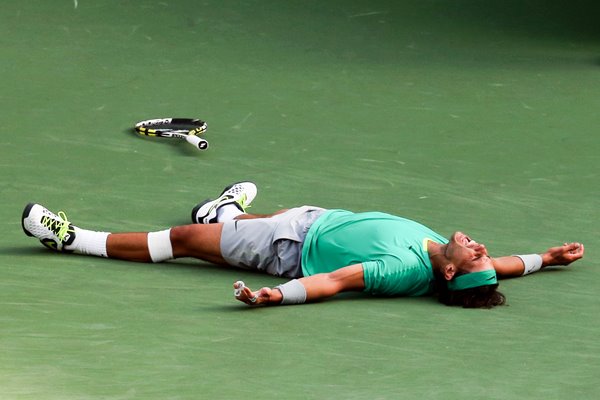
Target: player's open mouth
[[464, 239]]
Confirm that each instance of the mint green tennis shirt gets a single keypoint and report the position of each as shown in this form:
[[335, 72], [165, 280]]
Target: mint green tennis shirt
[[392, 250]]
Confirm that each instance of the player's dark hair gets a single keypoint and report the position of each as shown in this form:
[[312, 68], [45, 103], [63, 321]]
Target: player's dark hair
[[486, 296]]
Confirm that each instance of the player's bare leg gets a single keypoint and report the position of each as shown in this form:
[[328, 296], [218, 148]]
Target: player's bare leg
[[57, 233], [197, 241]]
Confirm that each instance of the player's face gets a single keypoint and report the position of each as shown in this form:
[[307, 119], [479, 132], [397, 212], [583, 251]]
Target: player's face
[[467, 255]]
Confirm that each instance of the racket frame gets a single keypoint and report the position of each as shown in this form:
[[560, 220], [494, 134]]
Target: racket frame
[[151, 127]]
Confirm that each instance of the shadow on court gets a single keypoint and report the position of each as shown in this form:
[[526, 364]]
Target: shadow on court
[[538, 18]]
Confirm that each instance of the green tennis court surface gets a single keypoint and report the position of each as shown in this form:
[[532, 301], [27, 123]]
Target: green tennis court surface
[[460, 114]]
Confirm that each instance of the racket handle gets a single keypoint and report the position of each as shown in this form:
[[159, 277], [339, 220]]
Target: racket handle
[[199, 143]]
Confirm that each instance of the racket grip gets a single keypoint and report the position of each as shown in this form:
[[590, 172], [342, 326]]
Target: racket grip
[[197, 142]]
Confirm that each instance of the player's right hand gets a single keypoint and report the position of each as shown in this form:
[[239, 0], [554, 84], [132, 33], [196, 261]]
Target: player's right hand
[[563, 255], [246, 295]]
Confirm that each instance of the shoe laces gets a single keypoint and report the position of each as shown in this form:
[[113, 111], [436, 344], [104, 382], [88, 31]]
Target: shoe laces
[[59, 226], [242, 202]]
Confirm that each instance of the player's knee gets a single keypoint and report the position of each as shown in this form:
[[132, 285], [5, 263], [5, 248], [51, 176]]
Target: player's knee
[[183, 236], [197, 240], [193, 236]]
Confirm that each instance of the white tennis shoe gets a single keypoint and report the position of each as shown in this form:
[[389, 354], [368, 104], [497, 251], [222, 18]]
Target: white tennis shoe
[[239, 194], [53, 231]]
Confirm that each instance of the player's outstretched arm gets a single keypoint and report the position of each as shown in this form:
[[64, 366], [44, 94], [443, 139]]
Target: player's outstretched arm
[[513, 266], [317, 287]]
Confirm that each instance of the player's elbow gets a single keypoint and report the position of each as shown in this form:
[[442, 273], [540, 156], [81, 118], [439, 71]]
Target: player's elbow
[[350, 278]]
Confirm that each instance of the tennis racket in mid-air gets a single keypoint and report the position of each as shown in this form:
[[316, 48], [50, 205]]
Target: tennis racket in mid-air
[[179, 128]]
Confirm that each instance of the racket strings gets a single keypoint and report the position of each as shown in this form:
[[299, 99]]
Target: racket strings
[[153, 127]]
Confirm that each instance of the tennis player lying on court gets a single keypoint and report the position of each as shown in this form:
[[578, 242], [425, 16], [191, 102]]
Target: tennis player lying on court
[[324, 252]]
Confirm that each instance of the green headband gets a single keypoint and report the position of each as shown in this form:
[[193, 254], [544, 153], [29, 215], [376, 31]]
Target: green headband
[[473, 279]]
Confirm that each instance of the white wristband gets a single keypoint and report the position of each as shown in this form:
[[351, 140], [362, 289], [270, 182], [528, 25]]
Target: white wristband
[[293, 292], [532, 263]]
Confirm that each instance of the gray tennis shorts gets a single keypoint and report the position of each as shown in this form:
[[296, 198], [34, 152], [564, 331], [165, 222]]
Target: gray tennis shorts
[[272, 245]]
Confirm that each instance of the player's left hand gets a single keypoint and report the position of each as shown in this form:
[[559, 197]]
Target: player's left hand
[[246, 295], [563, 255]]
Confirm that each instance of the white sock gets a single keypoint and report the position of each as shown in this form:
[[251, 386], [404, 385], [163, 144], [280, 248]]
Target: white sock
[[92, 243], [159, 246], [228, 212]]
